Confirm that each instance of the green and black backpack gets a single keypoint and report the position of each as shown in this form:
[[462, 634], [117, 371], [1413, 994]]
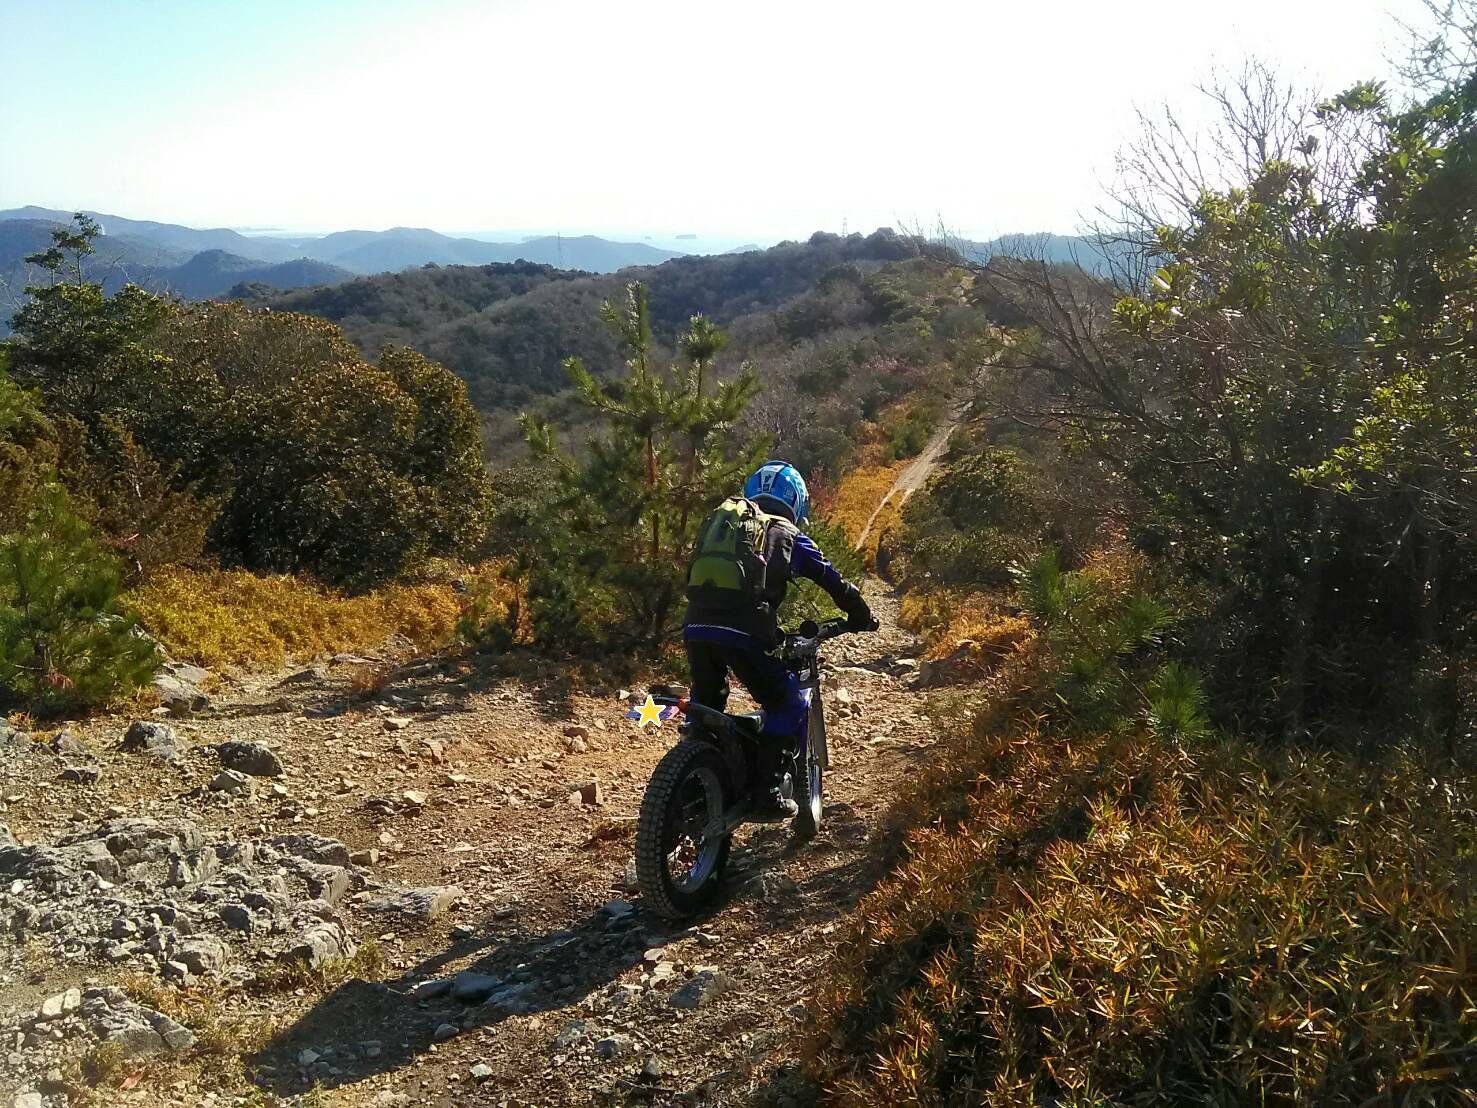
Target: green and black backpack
[[728, 570]]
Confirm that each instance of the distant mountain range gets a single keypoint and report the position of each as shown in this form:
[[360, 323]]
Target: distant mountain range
[[1081, 250], [200, 264], [367, 251]]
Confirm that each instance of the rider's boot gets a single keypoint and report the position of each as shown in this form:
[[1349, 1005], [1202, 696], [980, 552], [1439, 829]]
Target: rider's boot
[[774, 796]]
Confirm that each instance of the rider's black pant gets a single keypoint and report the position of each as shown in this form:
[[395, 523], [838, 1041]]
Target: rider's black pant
[[768, 679]]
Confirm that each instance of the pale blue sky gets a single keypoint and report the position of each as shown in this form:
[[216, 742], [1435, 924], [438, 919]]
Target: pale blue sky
[[761, 118]]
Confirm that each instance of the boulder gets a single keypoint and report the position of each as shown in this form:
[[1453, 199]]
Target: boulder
[[59, 1005], [704, 986], [474, 988], [202, 955], [233, 783], [615, 1046], [64, 744], [237, 917], [82, 774], [178, 689], [421, 904], [772, 885], [586, 794], [114, 1018], [571, 1033], [321, 943], [192, 867], [150, 737], [254, 759], [314, 848]]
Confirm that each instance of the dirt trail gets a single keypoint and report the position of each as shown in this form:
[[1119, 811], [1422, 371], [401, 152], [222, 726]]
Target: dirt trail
[[914, 475], [459, 774]]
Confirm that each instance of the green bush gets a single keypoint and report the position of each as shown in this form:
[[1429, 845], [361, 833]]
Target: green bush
[[28, 451], [981, 514], [64, 645], [1286, 396], [1103, 637], [302, 456]]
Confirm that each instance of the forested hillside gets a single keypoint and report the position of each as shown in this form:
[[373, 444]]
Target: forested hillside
[[869, 311]]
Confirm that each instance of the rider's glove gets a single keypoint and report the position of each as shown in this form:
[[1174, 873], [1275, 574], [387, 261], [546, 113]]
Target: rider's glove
[[858, 615]]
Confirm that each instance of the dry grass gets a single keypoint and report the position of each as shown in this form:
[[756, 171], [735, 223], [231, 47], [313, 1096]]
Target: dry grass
[[368, 962], [851, 502], [1115, 917], [857, 495], [224, 1038], [1118, 920], [235, 618], [226, 1035]]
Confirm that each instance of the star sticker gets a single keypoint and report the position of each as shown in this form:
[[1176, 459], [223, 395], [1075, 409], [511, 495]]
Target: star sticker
[[650, 712]]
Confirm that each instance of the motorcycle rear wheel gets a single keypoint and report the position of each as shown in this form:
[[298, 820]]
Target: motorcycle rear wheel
[[679, 866]]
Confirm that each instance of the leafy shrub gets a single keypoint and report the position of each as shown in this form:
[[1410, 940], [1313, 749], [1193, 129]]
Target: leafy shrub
[[1176, 703], [908, 437], [232, 617], [28, 450], [1101, 630], [331, 466], [148, 521], [979, 515], [304, 457], [980, 557], [994, 487], [63, 643], [1285, 392]]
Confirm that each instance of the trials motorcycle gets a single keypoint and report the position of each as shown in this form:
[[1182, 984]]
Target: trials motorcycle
[[703, 789]]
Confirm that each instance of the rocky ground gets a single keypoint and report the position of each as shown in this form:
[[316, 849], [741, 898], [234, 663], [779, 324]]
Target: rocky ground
[[415, 892]]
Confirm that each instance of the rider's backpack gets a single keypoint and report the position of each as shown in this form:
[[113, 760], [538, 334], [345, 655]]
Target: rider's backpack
[[728, 569]]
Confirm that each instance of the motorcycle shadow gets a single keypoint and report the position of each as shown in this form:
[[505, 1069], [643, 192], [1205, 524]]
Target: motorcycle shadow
[[362, 1029]]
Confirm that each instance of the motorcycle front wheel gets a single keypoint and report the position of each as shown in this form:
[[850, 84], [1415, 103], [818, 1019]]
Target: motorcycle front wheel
[[810, 780]]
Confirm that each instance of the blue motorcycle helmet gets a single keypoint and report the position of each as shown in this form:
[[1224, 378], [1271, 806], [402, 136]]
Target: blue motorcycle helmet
[[778, 487]]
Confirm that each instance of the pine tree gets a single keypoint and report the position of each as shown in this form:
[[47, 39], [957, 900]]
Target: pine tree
[[63, 642], [625, 514]]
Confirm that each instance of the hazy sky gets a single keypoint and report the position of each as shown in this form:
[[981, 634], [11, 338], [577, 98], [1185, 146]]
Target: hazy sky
[[759, 118]]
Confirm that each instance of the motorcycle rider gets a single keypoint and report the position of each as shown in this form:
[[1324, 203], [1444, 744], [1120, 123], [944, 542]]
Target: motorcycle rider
[[747, 552]]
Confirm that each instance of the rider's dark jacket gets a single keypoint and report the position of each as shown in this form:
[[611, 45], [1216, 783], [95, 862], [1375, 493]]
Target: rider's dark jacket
[[788, 553]]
